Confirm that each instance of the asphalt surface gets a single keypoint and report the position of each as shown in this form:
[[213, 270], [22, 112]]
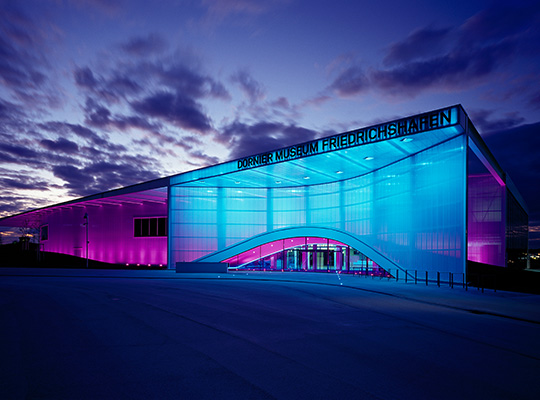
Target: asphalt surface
[[76, 334]]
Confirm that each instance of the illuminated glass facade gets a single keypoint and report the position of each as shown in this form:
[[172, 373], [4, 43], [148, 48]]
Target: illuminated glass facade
[[420, 193]]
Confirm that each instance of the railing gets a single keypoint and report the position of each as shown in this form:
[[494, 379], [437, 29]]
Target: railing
[[450, 279]]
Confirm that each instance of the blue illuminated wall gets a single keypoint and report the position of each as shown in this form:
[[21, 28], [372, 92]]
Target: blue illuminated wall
[[412, 211]]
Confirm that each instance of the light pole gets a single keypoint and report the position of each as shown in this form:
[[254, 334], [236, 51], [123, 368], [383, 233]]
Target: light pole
[[86, 224]]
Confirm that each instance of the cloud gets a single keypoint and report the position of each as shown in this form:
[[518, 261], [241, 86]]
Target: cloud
[[175, 108], [486, 123], [60, 145], [100, 176], [419, 44], [84, 77], [110, 8], [250, 87], [534, 100], [499, 23], [350, 82], [24, 184], [185, 79], [18, 151], [449, 58], [24, 64], [243, 139], [460, 68], [204, 159], [219, 9], [145, 46], [110, 89]]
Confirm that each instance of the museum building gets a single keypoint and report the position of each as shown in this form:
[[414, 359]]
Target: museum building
[[419, 193]]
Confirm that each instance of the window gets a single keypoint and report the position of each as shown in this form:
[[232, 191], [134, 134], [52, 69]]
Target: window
[[44, 233], [150, 227]]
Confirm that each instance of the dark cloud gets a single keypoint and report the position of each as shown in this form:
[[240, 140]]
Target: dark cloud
[[487, 122], [84, 77], [498, 23], [175, 108], [60, 145], [419, 44], [449, 58], [18, 151], [145, 46], [24, 183], [110, 89], [24, 65], [350, 82], [204, 159], [251, 88], [110, 8], [535, 100], [100, 176], [82, 132], [185, 79], [77, 179], [455, 70], [99, 116], [244, 140]]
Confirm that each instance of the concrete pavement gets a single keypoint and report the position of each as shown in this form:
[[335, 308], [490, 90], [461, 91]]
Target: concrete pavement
[[78, 334]]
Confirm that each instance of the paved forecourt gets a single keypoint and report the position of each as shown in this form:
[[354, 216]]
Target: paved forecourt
[[90, 334]]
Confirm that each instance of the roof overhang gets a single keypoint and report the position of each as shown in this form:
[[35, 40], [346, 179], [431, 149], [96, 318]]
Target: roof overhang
[[334, 158]]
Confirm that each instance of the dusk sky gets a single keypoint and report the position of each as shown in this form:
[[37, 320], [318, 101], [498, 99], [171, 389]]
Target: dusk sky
[[99, 94]]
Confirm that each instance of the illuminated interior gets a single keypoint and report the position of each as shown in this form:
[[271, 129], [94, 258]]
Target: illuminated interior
[[308, 254]]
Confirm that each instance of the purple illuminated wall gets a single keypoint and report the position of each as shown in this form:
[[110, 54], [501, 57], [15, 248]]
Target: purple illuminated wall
[[485, 215], [110, 233]]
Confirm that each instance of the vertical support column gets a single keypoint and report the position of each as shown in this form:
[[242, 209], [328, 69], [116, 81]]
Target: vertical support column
[[342, 205], [221, 219], [465, 239], [315, 254], [328, 255], [307, 205], [269, 209], [348, 259]]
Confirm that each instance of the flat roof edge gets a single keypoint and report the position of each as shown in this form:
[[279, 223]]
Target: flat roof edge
[[137, 187]]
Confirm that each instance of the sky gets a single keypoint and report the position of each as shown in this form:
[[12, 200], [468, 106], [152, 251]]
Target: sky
[[100, 94]]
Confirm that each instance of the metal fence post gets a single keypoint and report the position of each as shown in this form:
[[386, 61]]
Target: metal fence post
[[426, 278], [415, 276], [438, 279], [406, 276], [397, 274]]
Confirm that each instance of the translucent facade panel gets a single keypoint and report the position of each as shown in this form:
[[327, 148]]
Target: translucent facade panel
[[412, 211], [485, 215]]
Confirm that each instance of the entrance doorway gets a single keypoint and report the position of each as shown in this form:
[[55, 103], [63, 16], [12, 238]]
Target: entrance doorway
[[308, 254]]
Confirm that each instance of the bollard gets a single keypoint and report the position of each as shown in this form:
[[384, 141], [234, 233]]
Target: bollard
[[438, 279], [426, 278], [451, 280], [415, 276], [406, 276], [397, 274]]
